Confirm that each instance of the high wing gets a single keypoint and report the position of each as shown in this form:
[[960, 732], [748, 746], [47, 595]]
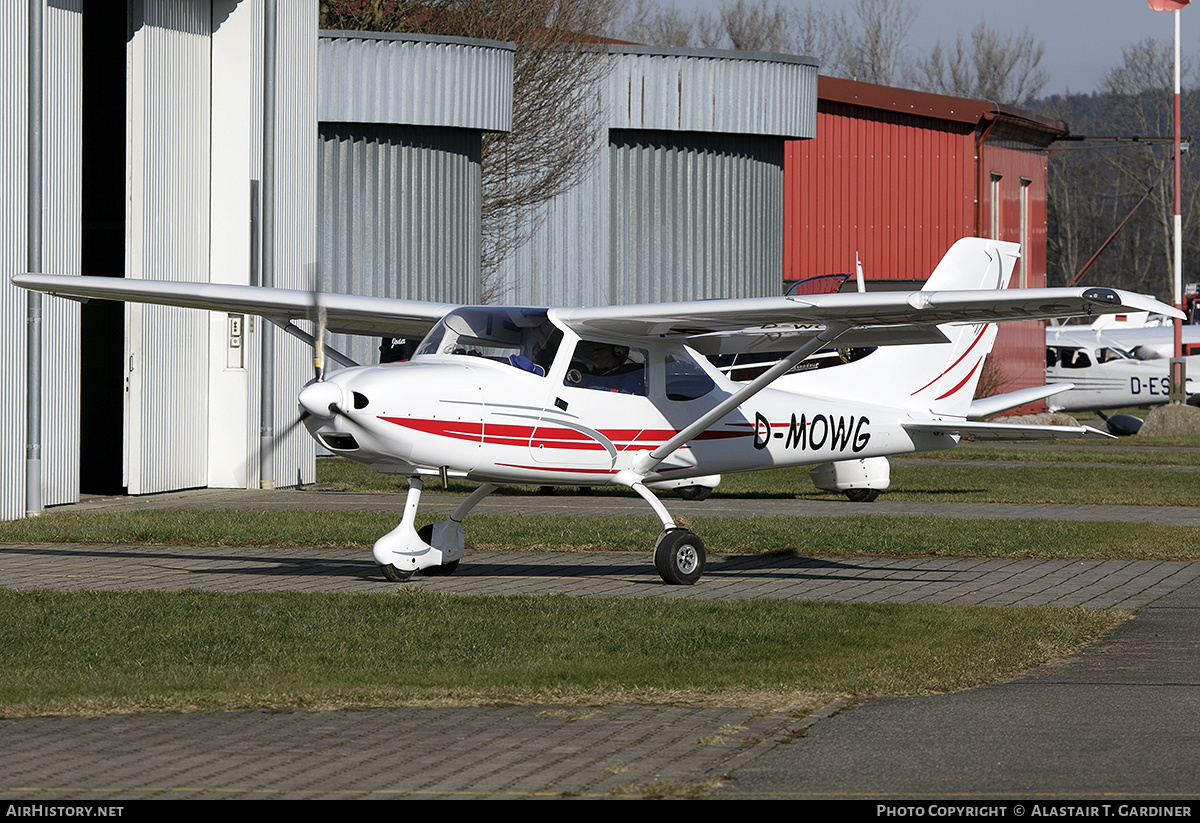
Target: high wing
[[709, 326], [875, 318], [345, 314]]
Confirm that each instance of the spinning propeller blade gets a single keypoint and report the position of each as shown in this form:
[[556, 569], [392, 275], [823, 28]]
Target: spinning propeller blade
[[318, 317]]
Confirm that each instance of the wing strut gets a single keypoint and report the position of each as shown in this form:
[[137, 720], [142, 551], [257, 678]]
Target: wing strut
[[646, 462], [300, 334]]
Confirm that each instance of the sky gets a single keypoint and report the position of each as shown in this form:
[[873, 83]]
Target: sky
[[1083, 38]]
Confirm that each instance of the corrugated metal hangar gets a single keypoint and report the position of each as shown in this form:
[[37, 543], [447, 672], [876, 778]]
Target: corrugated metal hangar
[[350, 162], [684, 197], [401, 117], [141, 129]]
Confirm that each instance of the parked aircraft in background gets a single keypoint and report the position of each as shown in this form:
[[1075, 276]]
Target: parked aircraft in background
[[1117, 362], [1145, 336], [625, 395]]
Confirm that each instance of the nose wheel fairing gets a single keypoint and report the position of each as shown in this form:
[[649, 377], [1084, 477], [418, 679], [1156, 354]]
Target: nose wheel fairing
[[404, 550]]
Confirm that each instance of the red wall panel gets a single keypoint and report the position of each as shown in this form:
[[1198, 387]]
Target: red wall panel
[[899, 190], [893, 188]]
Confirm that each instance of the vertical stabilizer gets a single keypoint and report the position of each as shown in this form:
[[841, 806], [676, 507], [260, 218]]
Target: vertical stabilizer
[[946, 375], [939, 378]]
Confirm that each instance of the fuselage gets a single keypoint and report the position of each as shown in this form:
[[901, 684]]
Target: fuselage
[[491, 417], [1105, 376]]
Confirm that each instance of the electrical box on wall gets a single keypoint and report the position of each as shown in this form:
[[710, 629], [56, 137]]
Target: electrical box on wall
[[234, 358]]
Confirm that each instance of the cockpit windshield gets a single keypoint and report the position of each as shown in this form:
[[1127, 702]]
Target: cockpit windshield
[[523, 338]]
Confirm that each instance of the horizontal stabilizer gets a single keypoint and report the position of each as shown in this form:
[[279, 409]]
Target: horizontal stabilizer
[[987, 406]]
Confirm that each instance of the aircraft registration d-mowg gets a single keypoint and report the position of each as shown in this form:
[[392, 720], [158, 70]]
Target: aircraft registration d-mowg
[[625, 394]]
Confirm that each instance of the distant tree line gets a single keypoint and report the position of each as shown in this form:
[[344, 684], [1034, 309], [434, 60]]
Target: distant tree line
[[1095, 185]]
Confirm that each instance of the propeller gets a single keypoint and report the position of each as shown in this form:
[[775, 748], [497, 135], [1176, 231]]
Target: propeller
[[318, 398], [320, 322]]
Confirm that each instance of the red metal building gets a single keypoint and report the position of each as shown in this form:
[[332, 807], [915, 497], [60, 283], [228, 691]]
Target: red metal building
[[897, 176]]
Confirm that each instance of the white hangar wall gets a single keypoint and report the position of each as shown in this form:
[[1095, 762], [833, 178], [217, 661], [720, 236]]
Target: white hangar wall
[[195, 145], [169, 81], [684, 198], [191, 152], [60, 252]]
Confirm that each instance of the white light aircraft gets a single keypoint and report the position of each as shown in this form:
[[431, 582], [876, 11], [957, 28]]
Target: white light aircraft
[[1105, 376], [1116, 362], [625, 395]]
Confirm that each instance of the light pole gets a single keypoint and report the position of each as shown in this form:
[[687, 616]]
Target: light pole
[[1178, 378]]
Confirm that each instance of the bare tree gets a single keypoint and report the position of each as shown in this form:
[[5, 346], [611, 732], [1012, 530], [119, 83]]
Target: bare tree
[[744, 25], [556, 117], [868, 43], [647, 22], [757, 26], [986, 66], [1140, 95], [1095, 186], [813, 36]]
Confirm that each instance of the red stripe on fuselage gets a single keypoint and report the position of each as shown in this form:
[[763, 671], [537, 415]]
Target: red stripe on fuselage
[[505, 434]]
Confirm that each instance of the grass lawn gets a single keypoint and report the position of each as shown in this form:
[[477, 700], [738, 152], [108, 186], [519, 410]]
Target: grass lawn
[[99, 652], [848, 536]]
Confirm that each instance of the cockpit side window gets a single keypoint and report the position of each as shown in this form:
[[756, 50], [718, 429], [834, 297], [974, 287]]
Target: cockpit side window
[[685, 379], [1075, 359], [1108, 355], [523, 338], [607, 367]]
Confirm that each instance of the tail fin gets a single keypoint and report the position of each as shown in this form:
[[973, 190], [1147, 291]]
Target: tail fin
[[946, 375], [939, 377]]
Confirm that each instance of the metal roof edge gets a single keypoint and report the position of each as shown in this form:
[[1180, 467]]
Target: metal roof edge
[[928, 104], [334, 34], [716, 54]]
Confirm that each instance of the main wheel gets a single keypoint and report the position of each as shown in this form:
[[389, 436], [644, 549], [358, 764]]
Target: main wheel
[[862, 495], [679, 557], [444, 570], [393, 574], [694, 492]]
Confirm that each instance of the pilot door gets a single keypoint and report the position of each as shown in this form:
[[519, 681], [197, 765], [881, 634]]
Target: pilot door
[[596, 408]]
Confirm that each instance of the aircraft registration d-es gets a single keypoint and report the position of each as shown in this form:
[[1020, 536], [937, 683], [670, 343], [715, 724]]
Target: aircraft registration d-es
[[626, 395]]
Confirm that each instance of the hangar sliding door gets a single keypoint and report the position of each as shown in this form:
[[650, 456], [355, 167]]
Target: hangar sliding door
[[166, 349]]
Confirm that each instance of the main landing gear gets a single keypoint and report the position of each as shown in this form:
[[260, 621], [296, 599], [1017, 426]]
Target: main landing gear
[[678, 555], [436, 549]]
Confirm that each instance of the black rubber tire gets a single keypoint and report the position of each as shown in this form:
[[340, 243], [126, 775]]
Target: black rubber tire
[[679, 557], [694, 492], [862, 495], [393, 574]]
